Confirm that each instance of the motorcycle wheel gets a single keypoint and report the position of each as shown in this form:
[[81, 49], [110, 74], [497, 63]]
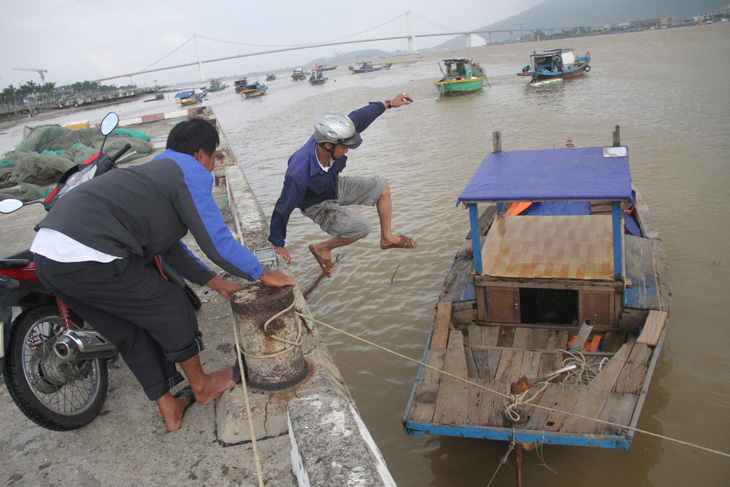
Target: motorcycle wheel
[[57, 396]]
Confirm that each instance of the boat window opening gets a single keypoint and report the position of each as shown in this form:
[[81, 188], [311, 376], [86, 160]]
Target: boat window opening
[[555, 306]]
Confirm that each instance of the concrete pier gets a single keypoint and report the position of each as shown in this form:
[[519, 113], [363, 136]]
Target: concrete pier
[[307, 428]]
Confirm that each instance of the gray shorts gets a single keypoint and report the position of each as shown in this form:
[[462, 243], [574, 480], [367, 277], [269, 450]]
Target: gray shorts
[[333, 218]]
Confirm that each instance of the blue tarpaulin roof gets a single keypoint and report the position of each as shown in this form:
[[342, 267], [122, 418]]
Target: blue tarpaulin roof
[[589, 173]]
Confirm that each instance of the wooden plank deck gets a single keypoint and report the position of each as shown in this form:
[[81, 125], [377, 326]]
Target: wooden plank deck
[[496, 356]]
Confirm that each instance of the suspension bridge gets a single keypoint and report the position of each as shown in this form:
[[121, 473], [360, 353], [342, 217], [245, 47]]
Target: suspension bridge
[[409, 26]]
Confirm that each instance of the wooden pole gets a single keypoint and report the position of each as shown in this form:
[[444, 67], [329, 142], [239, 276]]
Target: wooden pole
[[518, 463]]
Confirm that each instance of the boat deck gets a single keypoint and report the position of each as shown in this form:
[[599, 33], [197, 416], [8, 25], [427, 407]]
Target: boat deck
[[494, 357]]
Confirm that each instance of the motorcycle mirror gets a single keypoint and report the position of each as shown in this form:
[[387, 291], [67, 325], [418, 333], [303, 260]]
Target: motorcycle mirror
[[109, 123], [10, 205]]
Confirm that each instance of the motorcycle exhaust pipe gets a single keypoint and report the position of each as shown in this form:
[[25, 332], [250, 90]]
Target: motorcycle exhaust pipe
[[83, 345]]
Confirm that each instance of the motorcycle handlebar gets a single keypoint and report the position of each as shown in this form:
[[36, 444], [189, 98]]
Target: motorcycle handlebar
[[120, 152]]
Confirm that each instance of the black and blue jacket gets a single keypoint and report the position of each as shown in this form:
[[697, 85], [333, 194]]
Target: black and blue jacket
[[145, 210], [306, 184]]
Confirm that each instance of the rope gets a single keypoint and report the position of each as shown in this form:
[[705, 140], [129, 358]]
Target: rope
[[512, 404], [503, 460], [248, 407], [293, 344], [506, 396], [585, 372]]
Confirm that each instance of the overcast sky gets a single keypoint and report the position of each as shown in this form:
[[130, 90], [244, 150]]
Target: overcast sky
[[78, 40]]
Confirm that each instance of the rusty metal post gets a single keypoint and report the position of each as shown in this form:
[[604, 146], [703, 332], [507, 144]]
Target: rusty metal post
[[273, 359]]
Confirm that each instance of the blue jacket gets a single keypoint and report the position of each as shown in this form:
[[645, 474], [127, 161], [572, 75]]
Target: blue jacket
[[306, 183], [145, 210]]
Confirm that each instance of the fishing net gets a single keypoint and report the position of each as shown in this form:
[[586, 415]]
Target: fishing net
[[48, 151]]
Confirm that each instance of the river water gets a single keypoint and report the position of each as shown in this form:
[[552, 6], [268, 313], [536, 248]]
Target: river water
[[668, 91]]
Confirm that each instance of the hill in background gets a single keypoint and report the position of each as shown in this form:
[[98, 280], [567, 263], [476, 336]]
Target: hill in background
[[567, 13]]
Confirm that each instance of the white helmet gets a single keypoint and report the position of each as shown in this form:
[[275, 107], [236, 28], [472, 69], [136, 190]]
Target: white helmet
[[336, 128]]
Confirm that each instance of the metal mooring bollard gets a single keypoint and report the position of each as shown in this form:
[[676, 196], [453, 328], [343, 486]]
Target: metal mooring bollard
[[272, 363]]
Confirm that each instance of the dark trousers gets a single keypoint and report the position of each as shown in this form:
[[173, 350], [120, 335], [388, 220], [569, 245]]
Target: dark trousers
[[148, 319]]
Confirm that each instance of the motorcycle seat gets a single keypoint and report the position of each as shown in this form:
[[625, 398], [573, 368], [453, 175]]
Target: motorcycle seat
[[13, 263]]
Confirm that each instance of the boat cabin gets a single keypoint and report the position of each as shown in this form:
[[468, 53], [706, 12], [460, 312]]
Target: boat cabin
[[459, 68], [561, 259], [553, 60], [240, 84]]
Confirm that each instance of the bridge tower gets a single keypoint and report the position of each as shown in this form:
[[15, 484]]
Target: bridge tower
[[411, 37], [200, 63]]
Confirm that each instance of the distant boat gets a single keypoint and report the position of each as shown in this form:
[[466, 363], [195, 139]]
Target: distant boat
[[187, 97], [462, 76], [555, 64], [270, 77], [324, 67], [317, 78], [254, 90], [215, 85], [299, 74], [368, 67], [158, 96], [240, 84]]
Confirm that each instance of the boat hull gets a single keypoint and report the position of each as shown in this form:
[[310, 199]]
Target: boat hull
[[369, 69], [460, 86], [253, 93], [546, 76]]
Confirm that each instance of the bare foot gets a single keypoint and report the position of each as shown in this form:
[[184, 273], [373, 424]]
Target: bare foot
[[324, 258], [216, 383], [171, 409]]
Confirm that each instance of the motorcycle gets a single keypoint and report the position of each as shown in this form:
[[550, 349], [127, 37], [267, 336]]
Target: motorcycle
[[54, 364]]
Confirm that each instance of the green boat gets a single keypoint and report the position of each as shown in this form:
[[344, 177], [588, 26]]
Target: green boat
[[462, 76]]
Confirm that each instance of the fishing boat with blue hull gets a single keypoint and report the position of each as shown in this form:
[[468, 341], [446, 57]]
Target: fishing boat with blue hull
[[368, 67], [552, 317], [555, 65], [462, 76], [240, 84], [216, 85], [317, 78]]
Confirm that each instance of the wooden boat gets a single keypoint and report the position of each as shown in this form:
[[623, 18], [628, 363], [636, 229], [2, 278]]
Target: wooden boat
[[299, 74], [368, 67], [215, 85], [240, 84], [270, 77], [158, 96], [324, 67], [187, 97], [556, 64], [317, 78], [253, 90], [523, 285], [462, 76]]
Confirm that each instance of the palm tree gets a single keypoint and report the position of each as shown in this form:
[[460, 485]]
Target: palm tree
[[9, 95]]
